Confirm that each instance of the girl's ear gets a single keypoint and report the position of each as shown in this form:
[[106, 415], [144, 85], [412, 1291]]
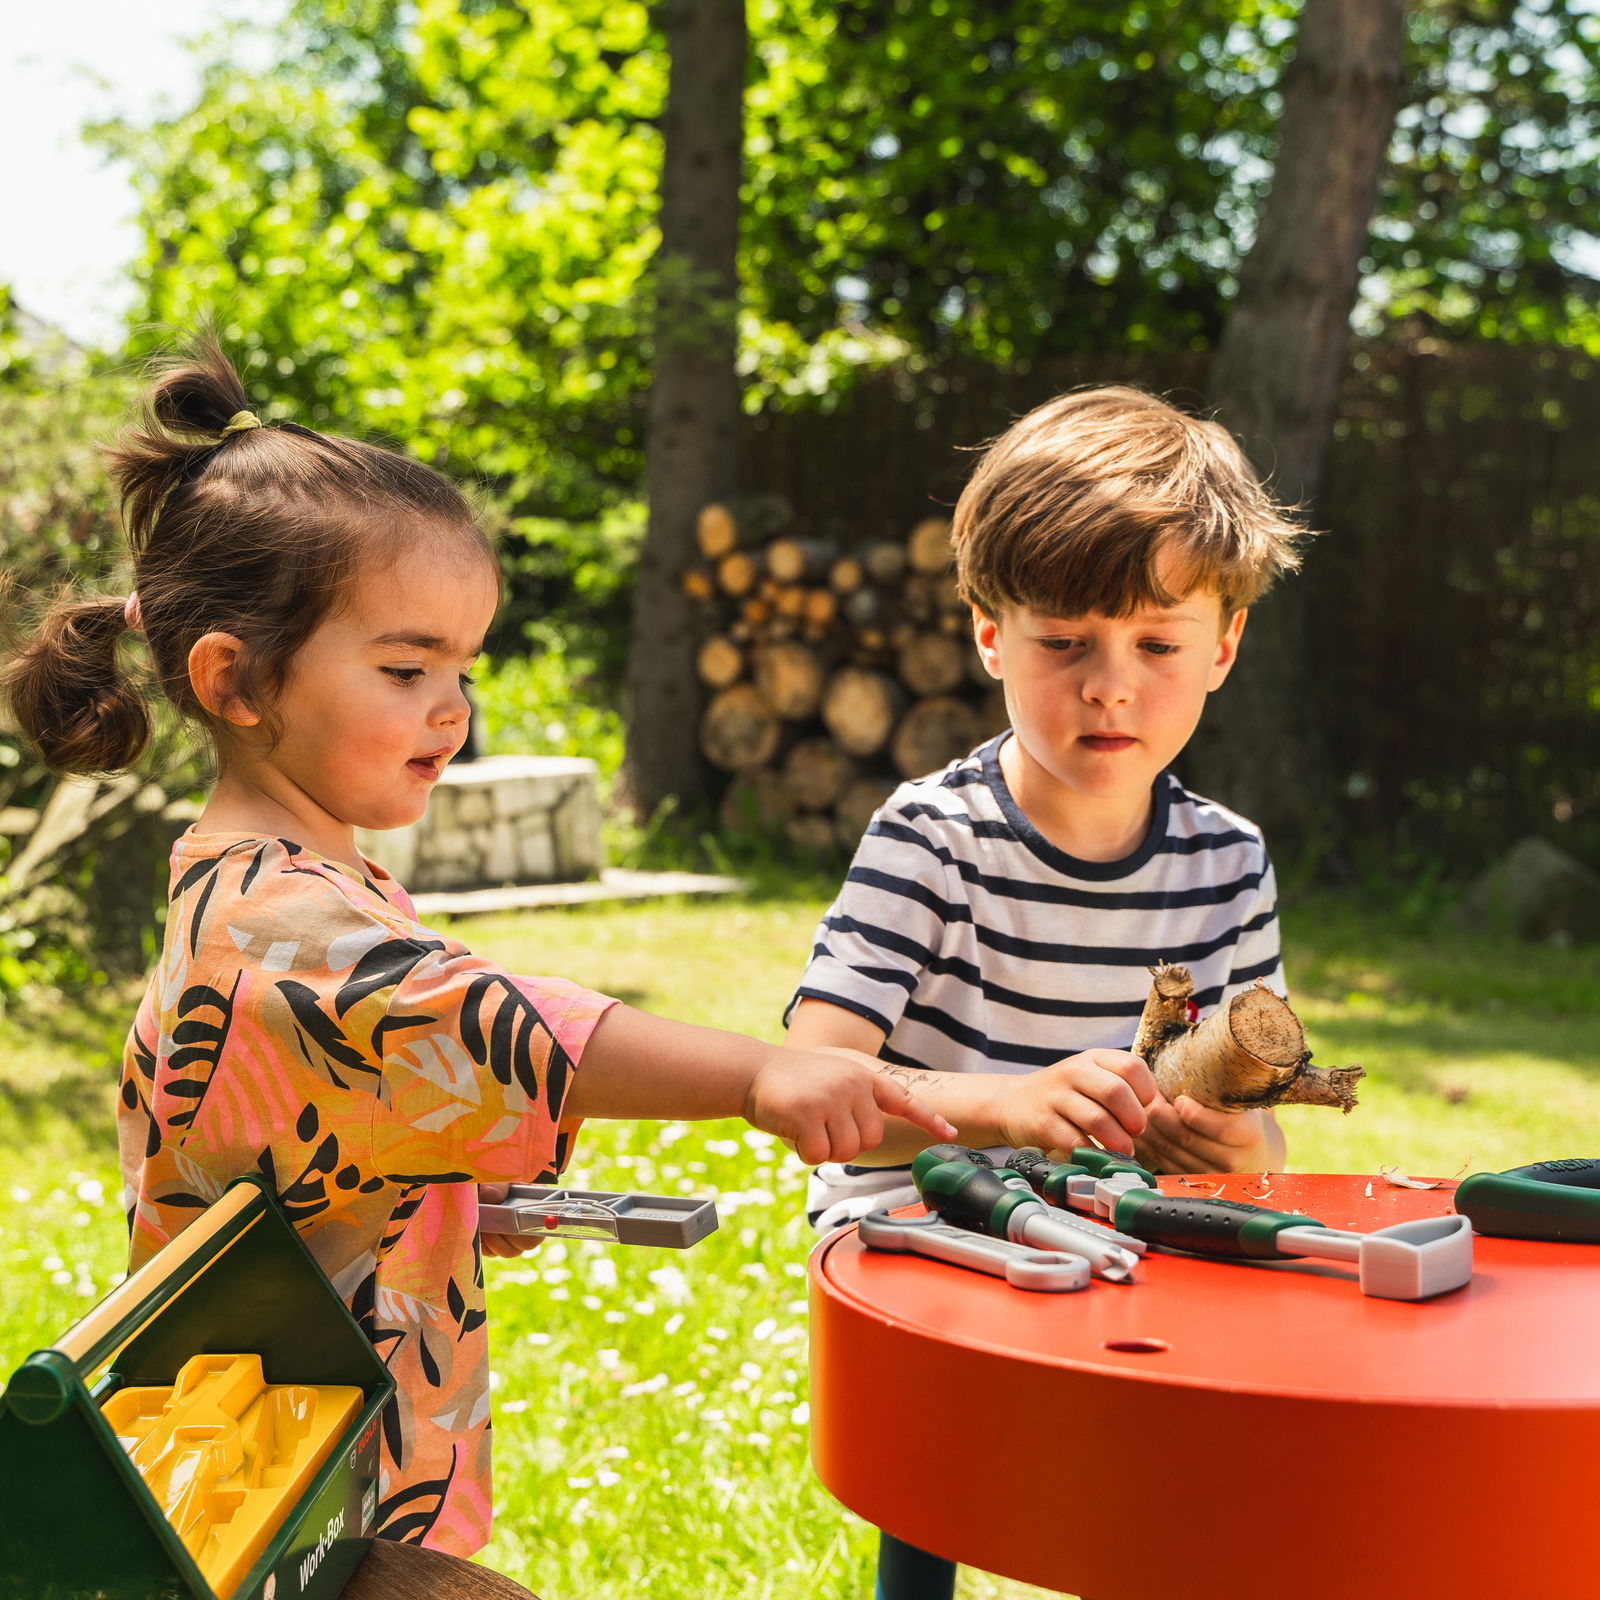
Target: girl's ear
[[212, 660], [986, 635]]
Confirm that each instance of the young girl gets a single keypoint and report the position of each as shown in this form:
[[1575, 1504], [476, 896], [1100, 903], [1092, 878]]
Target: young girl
[[314, 604]]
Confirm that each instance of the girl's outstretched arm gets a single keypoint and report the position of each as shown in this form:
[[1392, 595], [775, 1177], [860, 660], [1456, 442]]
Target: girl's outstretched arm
[[826, 1106]]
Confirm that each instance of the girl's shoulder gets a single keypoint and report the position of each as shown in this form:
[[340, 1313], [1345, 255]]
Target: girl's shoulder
[[279, 875]]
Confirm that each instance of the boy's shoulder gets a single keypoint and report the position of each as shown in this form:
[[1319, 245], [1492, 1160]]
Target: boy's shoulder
[[961, 792]]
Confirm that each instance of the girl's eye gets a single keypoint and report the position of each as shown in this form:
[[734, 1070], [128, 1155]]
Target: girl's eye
[[405, 675], [467, 680]]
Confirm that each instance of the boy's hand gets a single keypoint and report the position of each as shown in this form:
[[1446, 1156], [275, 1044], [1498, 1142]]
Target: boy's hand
[[503, 1244], [1097, 1096], [829, 1104], [1185, 1136]]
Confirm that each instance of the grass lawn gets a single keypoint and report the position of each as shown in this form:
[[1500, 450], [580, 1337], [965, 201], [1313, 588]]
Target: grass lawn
[[651, 1410]]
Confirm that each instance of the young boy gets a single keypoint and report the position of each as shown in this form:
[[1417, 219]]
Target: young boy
[[995, 931]]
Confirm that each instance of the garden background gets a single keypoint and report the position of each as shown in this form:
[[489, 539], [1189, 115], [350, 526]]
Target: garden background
[[440, 224]]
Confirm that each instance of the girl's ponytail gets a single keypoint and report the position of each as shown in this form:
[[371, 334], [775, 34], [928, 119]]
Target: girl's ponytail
[[69, 694]]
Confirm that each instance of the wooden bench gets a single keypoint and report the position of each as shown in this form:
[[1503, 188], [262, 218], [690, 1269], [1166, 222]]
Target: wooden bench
[[393, 1571]]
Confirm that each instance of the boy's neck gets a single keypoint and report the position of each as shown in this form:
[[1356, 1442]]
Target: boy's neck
[[1087, 827], [238, 806]]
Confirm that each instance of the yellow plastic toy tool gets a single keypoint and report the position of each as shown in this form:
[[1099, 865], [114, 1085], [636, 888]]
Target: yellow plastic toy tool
[[226, 1454]]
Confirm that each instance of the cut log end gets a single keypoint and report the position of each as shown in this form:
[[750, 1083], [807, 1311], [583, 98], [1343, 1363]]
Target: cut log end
[[1323, 1086]]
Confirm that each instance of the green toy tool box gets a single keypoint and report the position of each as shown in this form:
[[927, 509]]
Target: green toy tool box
[[208, 1432]]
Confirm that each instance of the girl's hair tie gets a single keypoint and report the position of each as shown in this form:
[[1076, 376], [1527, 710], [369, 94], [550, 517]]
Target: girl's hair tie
[[131, 614], [242, 421]]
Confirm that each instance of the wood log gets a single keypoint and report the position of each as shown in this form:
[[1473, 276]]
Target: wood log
[[928, 548], [934, 594], [740, 523], [738, 572], [860, 606], [755, 802], [819, 607], [755, 611], [811, 832], [740, 631], [855, 808], [788, 677], [860, 709], [719, 662], [815, 774], [846, 575], [699, 583], [799, 560], [932, 663], [931, 735], [885, 561], [1250, 1052], [738, 731]]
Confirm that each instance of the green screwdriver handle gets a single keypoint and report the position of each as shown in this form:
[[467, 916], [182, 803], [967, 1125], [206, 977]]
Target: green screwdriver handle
[[927, 1160], [1048, 1179], [972, 1197], [1230, 1228], [1107, 1164]]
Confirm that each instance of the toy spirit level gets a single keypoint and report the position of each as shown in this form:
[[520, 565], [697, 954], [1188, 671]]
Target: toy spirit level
[[674, 1221], [208, 1432]]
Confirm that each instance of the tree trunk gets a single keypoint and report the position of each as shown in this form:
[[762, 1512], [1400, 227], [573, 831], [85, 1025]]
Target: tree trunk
[[691, 457], [1275, 381]]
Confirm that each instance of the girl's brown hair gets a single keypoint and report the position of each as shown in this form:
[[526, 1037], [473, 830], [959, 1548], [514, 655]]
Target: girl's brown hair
[[256, 532], [1069, 511]]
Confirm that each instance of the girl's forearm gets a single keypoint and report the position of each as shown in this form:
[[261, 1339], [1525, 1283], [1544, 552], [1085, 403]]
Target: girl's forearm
[[968, 1099], [639, 1065]]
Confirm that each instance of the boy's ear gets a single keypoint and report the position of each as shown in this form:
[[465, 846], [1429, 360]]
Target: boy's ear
[[212, 659], [1227, 649], [986, 635]]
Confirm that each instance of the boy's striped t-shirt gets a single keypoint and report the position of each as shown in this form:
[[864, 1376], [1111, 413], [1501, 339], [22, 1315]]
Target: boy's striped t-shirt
[[977, 945]]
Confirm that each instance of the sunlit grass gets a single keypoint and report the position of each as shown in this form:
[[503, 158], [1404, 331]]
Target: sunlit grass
[[651, 1406]]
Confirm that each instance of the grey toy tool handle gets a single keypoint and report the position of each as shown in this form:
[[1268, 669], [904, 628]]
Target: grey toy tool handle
[[1020, 1265]]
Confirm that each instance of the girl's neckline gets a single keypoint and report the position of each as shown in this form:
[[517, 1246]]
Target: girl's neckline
[[227, 839]]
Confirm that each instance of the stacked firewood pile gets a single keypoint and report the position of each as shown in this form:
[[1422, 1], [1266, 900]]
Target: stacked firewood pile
[[832, 672]]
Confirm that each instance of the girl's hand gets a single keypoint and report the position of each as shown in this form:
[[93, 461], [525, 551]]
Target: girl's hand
[[829, 1104], [1098, 1096], [1185, 1136], [503, 1244]]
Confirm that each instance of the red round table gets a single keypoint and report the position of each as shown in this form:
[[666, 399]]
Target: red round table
[[1219, 1429]]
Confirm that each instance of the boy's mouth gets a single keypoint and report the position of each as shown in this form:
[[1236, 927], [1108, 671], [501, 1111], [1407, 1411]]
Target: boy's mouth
[[1107, 742]]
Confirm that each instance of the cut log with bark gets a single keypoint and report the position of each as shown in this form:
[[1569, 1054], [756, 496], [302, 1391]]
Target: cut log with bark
[[800, 560], [933, 663], [1250, 1052], [738, 731], [815, 773], [929, 549], [846, 575], [788, 677], [720, 662], [740, 523], [810, 832], [698, 583], [857, 805], [884, 561], [738, 572], [860, 709], [932, 734], [755, 800]]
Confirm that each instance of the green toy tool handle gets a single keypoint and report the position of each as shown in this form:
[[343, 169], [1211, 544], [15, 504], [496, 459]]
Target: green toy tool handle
[[926, 1160], [1045, 1177], [1107, 1164], [972, 1197], [1230, 1228], [1547, 1200]]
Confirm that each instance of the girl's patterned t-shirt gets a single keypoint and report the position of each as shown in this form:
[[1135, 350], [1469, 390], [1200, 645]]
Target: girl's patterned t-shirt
[[304, 1025]]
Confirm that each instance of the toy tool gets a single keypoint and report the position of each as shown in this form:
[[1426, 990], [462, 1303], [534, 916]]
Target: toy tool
[[1410, 1261], [1547, 1200], [1022, 1266], [673, 1221], [980, 1200]]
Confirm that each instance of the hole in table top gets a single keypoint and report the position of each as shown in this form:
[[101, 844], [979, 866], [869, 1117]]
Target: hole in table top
[[1137, 1347]]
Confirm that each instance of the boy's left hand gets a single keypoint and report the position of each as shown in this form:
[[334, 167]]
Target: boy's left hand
[[503, 1244], [1185, 1136]]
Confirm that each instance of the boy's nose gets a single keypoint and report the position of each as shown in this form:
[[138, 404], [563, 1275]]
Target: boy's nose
[[1106, 684]]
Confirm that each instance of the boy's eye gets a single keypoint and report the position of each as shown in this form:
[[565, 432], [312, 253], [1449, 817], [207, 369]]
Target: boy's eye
[[1059, 645], [1158, 647]]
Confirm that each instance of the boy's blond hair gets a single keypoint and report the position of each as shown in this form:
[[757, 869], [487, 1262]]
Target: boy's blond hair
[[1071, 507]]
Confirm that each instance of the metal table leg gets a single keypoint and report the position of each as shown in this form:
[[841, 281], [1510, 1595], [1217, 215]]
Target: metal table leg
[[906, 1573]]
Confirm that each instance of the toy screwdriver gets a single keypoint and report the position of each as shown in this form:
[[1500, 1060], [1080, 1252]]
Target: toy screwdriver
[[980, 1199], [1408, 1261], [1547, 1200], [1050, 1180]]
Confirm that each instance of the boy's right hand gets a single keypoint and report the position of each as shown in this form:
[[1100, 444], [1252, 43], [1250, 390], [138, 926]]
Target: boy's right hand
[[1098, 1096], [829, 1104]]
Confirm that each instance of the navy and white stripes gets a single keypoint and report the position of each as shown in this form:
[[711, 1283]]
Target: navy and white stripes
[[976, 945]]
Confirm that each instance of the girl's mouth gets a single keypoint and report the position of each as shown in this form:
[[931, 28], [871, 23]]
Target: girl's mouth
[[425, 767]]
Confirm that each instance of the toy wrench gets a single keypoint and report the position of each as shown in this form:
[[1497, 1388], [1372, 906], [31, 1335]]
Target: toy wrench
[[1022, 1266]]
